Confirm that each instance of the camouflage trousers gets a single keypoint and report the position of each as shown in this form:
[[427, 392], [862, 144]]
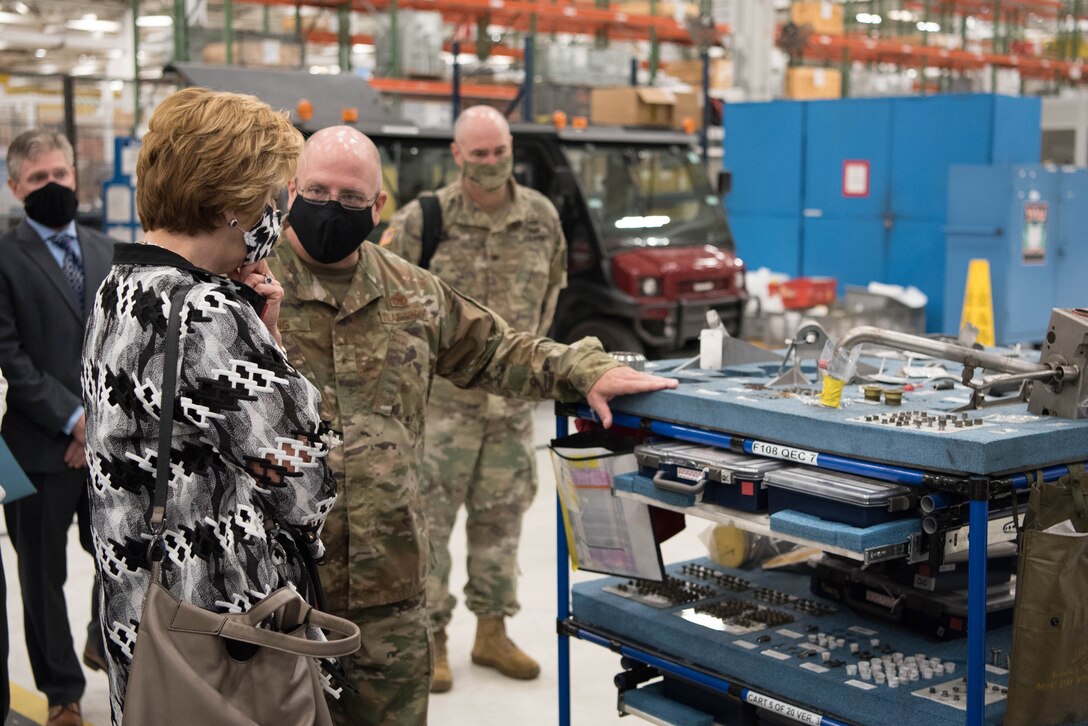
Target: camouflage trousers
[[485, 463], [392, 669]]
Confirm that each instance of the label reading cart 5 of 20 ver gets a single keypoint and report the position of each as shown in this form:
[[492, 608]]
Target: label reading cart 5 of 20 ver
[[784, 709], [777, 451]]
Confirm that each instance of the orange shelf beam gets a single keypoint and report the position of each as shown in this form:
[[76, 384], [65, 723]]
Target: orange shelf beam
[[565, 17], [831, 47], [984, 8], [330, 38], [444, 89]]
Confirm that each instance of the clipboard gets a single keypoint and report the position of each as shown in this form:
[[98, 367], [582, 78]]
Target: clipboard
[[14, 483]]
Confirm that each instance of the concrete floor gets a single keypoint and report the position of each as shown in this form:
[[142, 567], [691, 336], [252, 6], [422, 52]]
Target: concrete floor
[[480, 696]]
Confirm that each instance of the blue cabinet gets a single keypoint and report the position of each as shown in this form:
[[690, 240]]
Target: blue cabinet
[[775, 240], [1071, 247], [885, 223], [767, 143], [1029, 221]]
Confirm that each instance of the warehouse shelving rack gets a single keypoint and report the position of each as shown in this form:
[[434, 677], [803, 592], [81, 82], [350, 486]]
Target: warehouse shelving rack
[[529, 16], [900, 44]]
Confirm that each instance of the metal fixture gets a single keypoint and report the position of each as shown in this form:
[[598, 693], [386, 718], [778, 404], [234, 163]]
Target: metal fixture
[[1057, 386]]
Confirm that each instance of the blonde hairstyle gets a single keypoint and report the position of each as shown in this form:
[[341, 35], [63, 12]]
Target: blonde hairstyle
[[29, 145], [209, 151]]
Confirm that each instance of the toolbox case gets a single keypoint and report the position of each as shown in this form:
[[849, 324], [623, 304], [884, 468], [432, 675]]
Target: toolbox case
[[941, 615], [711, 474], [835, 497]]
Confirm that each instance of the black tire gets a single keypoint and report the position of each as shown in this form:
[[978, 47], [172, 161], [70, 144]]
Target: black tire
[[614, 336]]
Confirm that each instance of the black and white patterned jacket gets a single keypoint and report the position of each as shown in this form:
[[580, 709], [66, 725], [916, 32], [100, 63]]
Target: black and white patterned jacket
[[242, 415]]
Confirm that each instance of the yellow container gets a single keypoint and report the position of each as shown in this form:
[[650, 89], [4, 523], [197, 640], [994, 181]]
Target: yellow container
[[831, 395]]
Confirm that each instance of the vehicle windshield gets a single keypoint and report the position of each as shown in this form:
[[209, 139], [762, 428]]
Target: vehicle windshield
[[649, 196]]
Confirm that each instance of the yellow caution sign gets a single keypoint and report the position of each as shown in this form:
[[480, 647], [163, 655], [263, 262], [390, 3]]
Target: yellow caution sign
[[978, 301]]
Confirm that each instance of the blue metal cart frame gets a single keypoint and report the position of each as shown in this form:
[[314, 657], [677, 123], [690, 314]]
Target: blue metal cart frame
[[979, 489]]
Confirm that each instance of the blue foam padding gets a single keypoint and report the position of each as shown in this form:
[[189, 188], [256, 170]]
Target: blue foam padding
[[652, 700], [726, 401], [662, 631], [844, 535], [638, 484]]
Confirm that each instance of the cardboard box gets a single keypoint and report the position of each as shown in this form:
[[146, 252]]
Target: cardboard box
[[661, 9], [805, 82], [824, 17], [642, 106], [254, 52], [691, 72]]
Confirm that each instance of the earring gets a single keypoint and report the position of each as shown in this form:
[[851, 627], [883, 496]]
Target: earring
[[234, 222]]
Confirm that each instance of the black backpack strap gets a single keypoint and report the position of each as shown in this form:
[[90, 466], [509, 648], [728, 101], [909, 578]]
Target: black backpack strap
[[432, 227]]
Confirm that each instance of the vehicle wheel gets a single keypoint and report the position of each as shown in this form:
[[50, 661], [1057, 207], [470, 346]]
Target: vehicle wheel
[[613, 335]]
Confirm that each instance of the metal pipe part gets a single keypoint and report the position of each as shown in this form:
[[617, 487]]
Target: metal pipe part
[[947, 351]]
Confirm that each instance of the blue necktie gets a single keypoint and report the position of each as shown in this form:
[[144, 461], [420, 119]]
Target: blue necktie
[[71, 267]]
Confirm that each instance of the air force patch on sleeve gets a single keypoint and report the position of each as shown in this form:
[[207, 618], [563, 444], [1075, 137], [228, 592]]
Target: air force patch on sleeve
[[387, 236]]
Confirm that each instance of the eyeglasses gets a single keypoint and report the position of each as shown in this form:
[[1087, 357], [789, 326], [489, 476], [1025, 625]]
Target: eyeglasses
[[319, 196]]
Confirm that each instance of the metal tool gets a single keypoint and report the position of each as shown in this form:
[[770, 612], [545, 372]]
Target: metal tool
[[807, 344], [1058, 387]]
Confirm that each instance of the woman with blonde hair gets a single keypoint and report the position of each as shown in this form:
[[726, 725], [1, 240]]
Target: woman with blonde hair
[[248, 487]]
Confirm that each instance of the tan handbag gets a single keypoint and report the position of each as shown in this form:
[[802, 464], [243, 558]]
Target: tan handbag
[[193, 666], [1049, 667]]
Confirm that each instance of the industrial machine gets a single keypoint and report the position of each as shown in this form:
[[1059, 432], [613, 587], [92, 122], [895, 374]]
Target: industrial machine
[[1054, 386]]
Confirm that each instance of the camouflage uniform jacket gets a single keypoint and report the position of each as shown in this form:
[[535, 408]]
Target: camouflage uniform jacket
[[374, 358], [515, 265]]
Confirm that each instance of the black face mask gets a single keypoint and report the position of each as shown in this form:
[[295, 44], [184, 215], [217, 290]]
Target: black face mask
[[328, 232], [53, 205]]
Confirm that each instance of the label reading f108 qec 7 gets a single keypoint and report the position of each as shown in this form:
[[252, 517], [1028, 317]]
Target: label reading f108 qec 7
[[778, 451], [782, 709]]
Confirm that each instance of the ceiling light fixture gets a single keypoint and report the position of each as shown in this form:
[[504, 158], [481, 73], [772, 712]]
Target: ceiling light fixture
[[154, 21], [94, 26]]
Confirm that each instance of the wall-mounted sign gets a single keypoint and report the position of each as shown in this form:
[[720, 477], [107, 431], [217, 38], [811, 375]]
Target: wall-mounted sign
[[1034, 240], [855, 178]]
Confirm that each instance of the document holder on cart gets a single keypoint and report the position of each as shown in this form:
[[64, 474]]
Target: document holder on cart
[[605, 533]]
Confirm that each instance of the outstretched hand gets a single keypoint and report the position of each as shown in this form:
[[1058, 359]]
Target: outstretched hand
[[622, 381]]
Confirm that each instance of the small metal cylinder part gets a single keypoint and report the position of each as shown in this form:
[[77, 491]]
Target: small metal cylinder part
[[949, 667], [893, 398], [872, 393], [851, 669]]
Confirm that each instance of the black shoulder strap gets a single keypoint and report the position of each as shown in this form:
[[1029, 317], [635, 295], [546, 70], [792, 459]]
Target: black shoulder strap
[[432, 227], [166, 411]]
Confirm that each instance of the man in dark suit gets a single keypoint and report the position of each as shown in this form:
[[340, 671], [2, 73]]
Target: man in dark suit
[[50, 269]]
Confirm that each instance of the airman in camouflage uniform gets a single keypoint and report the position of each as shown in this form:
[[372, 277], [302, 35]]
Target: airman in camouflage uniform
[[504, 247], [371, 331]]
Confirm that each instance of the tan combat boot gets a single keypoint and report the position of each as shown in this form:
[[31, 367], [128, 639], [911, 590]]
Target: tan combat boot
[[442, 678], [494, 649]]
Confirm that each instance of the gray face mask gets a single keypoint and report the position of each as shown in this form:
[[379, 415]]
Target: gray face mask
[[489, 176]]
